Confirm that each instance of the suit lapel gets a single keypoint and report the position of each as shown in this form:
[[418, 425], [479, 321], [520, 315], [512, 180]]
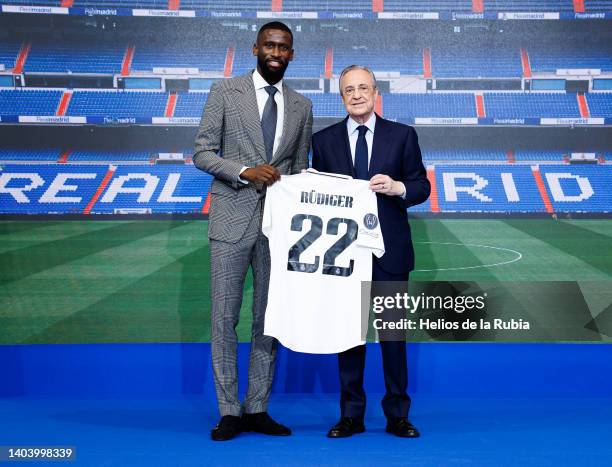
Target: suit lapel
[[247, 100], [344, 148], [379, 147]]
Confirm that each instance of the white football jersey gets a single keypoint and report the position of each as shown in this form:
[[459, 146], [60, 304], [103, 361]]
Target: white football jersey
[[322, 230]]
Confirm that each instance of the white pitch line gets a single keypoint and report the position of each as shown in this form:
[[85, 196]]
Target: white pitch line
[[517, 258]]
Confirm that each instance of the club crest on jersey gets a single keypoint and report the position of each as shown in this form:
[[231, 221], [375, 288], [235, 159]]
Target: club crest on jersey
[[370, 221]]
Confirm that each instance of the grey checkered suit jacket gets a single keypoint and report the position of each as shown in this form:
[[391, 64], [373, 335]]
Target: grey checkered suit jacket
[[230, 128]]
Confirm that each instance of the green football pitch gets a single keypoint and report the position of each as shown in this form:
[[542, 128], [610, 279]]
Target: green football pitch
[[148, 280]]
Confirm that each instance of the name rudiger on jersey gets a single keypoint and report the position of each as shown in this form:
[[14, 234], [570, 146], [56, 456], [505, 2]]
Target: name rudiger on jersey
[[314, 197]]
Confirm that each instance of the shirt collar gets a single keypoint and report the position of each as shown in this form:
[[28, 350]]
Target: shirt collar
[[352, 124], [261, 83]]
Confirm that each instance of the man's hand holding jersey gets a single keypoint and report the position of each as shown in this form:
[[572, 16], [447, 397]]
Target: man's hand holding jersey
[[385, 185], [264, 173]]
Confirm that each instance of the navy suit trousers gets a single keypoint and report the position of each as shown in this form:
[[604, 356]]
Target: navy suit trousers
[[396, 401]]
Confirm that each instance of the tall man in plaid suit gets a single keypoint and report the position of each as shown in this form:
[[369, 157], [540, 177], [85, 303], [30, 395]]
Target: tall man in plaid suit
[[254, 128]]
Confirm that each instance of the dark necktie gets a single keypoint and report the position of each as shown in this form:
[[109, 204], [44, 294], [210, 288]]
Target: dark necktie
[[361, 154], [268, 121]]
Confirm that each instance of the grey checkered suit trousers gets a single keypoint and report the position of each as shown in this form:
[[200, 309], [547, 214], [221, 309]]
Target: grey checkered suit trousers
[[229, 265]]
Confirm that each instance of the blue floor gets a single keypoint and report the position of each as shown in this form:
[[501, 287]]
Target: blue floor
[[175, 432]]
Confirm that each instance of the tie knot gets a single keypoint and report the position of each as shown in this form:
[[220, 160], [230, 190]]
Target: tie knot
[[362, 130], [271, 90]]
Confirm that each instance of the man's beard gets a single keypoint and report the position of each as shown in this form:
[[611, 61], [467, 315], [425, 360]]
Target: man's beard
[[276, 74]]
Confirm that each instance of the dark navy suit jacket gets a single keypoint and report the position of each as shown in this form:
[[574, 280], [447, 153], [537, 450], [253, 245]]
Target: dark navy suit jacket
[[395, 153]]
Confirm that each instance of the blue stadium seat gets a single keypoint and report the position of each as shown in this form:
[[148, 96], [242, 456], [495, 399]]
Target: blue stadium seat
[[425, 5], [326, 105], [169, 54], [523, 155], [37, 103], [408, 60], [570, 54], [75, 57], [9, 51], [33, 2], [118, 104], [431, 105], [461, 155], [600, 104], [109, 156], [324, 5], [597, 6], [471, 60], [529, 5], [227, 5], [29, 155], [152, 4], [190, 104], [534, 105]]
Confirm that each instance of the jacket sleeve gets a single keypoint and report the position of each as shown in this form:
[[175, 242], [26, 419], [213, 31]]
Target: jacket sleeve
[[415, 178], [317, 157], [209, 141], [301, 160]]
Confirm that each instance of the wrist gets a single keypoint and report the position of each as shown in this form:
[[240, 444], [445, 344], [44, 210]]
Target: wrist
[[398, 188]]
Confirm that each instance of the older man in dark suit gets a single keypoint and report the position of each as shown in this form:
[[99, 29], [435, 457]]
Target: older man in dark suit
[[386, 153]]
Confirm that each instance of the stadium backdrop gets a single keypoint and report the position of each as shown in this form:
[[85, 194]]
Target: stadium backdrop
[[104, 216]]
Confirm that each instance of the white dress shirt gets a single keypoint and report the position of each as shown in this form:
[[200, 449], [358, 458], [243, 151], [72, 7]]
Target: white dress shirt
[[353, 134], [262, 98]]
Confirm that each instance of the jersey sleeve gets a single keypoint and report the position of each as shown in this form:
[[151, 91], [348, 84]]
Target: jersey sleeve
[[370, 235]]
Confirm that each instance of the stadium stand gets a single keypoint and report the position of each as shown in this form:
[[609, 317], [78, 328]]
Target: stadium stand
[[190, 104], [323, 5], [117, 104], [600, 104], [33, 2], [535, 105], [112, 156], [424, 5], [459, 155], [597, 5], [18, 102], [29, 155], [326, 105], [570, 54], [522, 156], [403, 106], [75, 56], [8, 53], [226, 5], [529, 5], [460, 60], [164, 54], [473, 155], [154, 4], [407, 60]]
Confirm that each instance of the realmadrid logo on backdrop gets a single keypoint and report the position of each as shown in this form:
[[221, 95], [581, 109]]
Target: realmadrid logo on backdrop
[[370, 221]]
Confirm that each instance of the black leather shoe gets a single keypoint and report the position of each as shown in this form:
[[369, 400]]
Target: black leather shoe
[[402, 427], [262, 423], [346, 427], [227, 428]]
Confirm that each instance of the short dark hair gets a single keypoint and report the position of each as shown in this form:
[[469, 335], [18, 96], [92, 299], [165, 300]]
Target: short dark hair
[[275, 25]]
